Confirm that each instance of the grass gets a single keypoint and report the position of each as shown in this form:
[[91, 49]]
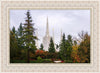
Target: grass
[[18, 61], [32, 61]]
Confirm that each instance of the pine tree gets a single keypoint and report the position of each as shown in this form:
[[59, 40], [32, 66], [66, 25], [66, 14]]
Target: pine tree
[[41, 47], [15, 32], [20, 38], [69, 45], [20, 30], [63, 48], [14, 50], [13, 45], [29, 35], [66, 48], [51, 46], [13, 29]]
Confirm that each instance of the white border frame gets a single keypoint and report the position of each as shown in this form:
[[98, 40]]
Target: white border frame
[[8, 5]]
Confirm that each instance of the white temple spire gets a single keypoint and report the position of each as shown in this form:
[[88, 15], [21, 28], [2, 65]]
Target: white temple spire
[[61, 34], [53, 34], [47, 28], [46, 38]]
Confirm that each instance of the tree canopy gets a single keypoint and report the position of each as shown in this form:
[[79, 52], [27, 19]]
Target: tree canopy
[[51, 46]]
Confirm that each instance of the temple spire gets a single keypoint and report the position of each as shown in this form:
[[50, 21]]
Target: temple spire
[[46, 38], [61, 34], [53, 35], [47, 28]]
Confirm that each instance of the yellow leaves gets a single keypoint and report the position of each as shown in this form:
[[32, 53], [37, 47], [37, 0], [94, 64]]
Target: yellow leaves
[[74, 53], [75, 47]]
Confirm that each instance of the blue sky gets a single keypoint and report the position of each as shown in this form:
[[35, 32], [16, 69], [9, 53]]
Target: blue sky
[[69, 21]]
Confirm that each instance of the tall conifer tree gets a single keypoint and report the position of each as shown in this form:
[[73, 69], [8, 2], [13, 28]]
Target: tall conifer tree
[[41, 47], [51, 46], [63, 48], [20, 30], [29, 34]]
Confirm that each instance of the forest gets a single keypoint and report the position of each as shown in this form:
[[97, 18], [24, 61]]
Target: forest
[[23, 46]]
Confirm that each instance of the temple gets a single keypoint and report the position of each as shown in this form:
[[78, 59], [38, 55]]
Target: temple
[[46, 38]]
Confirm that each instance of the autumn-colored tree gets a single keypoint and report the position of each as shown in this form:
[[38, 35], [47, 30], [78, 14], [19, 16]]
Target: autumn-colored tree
[[84, 48], [74, 52]]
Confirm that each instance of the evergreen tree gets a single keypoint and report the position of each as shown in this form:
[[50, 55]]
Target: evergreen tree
[[15, 32], [20, 36], [14, 50], [69, 45], [41, 47], [63, 48], [29, 35], [66, 48], [51, 46], [20, 30], [13, 29], [75, 42], [13, 45]]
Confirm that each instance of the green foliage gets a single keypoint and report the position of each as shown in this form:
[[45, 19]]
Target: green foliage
[[47, 61], [84, 48], [68, 61], [13, 30], [42, 61], [66, 48], [41, 47], [69, 47], [13, 45], [20, 30], [39, 58], [29, 35], [14, 49], [18, 61], [62, 46], [51, 46], [32, 61], [20, 38]]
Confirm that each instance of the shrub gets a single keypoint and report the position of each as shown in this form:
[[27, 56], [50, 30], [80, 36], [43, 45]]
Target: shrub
[[18, 61], [68, 61], [39, 58], [41, 61], [47, 61]]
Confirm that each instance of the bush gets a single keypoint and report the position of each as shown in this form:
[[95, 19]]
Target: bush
[[47, 61], [42, 61], [68, 61], [39, 58], [17, 61]]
